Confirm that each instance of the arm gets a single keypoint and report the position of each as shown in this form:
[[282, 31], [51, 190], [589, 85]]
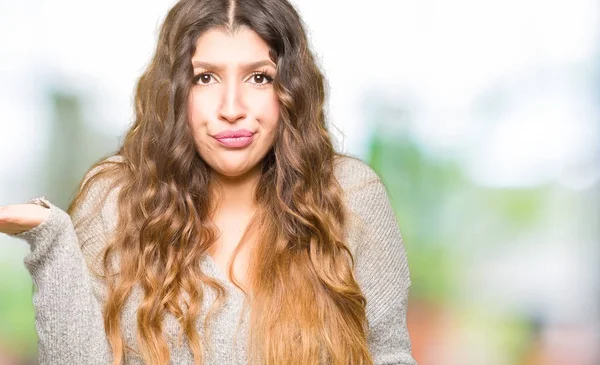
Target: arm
[[68, 318], [383, 274]]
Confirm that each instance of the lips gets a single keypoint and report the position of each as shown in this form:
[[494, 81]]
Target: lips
[[234, 134], [238, 138]]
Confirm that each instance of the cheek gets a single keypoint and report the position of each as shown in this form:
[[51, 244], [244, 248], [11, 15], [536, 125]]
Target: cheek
[[197, 122], [275, 109], [191, 112], [194, 112], [200, 111], [270, 112]]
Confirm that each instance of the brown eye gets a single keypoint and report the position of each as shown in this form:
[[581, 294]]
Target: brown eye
[[203, 79], [261, 79]]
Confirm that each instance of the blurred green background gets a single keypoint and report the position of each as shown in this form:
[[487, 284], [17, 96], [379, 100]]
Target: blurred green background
[[480, 117]]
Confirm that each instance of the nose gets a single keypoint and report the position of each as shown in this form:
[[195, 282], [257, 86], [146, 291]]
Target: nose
[[232, 107]]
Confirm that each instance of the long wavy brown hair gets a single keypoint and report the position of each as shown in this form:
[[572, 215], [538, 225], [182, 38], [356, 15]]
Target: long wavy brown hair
[[301, 271]]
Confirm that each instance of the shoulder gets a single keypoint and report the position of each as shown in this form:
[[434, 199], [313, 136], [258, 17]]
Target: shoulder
[[360, 183], [373, 233], [95, 213], [101, 166], [98, 171], [366, 198], [352, 173], [96, 184], [94, 207]]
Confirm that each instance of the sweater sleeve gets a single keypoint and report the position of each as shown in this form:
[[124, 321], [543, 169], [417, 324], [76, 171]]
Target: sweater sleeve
[[383, 274], [68, 315]]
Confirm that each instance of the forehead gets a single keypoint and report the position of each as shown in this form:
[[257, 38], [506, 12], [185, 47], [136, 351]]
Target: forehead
[[245, 45]]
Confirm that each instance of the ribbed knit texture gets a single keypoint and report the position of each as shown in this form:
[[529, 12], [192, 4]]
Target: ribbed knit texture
[[68, 299]]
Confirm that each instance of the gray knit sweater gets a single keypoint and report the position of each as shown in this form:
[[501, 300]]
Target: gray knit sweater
[[68, 298]]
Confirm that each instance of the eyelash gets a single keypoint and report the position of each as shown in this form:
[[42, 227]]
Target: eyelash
[[264, 74]]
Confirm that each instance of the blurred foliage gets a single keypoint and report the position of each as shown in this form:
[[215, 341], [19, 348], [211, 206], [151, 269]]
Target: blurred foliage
[[74, 147], [448, 222], [442, 214], [417, 186], [17, 332]]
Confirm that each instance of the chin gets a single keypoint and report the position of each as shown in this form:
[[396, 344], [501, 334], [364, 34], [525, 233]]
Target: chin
[[233, 170]]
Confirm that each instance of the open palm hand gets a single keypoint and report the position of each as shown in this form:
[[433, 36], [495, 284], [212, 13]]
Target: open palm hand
[[18, 218]]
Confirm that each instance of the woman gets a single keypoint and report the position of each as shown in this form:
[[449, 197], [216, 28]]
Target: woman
[[226, 229]]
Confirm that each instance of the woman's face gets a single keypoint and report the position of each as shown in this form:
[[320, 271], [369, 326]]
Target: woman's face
[[232, 91]]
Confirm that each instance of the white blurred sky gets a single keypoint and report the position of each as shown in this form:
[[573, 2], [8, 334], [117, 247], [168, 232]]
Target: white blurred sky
[[533, 57]]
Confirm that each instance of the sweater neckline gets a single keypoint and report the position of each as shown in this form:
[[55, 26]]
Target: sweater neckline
[[215, 271]]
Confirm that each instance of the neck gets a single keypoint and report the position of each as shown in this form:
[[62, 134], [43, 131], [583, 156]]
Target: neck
[[236, 194]]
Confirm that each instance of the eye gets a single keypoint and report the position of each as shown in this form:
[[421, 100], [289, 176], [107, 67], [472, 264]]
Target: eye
[[261, 78], [258, 78], [203, 78]]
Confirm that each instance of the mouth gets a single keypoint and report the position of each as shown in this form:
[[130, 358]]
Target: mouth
[[236, 142], [234, 133]]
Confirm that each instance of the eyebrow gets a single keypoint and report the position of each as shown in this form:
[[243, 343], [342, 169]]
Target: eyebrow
[[243, 66]]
